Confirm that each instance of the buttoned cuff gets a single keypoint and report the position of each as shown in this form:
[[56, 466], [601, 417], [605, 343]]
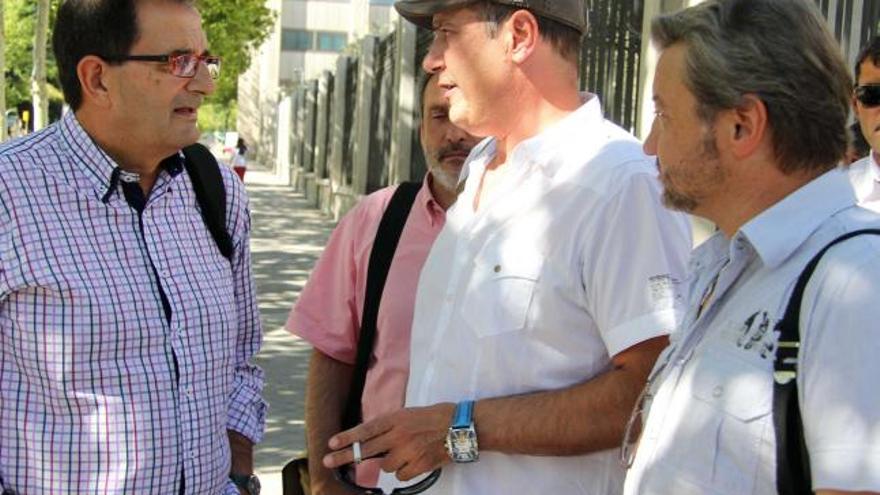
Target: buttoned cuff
[[230, 488], [855, 469], [247, 409]]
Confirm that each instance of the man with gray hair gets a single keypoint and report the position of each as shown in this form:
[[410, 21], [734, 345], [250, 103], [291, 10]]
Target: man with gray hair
[[550, 291], [752, 98]]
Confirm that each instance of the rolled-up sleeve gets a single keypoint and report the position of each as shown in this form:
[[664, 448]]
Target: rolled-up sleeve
[[247, 409], [638, 262]]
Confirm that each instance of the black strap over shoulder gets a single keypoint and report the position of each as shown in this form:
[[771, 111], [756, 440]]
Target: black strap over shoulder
[[204, 172], [384, 246], [793, 475]]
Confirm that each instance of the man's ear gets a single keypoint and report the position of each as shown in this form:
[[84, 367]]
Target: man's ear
[[93, 79], [524, 35], [744, 128]]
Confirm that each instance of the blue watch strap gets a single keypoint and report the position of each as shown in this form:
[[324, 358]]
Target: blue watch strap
[[464, 414]]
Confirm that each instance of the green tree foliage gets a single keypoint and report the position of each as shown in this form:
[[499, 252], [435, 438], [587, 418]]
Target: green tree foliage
[[234, 28], [19, 20]]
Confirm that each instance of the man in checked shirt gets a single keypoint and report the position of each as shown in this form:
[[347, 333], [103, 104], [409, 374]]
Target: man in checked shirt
[[125, 335]]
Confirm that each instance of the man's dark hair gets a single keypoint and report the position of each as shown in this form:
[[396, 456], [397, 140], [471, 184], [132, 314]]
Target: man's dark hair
[[870, 51], [104, 28], [565, 39]]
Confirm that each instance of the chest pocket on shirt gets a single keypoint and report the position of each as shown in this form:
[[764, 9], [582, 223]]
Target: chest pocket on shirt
[[736, 394], [500, 291], [735, 386]]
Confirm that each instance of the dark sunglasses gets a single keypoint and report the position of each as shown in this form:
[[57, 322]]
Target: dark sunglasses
[[346, 475], [868, 95], [180, 65]]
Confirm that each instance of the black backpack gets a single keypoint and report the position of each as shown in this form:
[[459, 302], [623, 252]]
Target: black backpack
[[204, 172], [793, 476]]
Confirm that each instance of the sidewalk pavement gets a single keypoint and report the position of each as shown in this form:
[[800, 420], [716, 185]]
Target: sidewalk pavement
[[287, 237]]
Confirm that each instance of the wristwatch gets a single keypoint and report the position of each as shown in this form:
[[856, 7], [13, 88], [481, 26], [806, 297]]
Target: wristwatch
[[249, 482], [461, 440]]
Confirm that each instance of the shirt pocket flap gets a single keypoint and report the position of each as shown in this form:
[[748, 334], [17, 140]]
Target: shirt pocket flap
[[734, 385], [501, 291]]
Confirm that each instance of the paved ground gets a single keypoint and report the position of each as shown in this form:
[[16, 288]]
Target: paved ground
[[288, 236]]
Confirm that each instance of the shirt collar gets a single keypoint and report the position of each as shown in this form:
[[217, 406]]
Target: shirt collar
[[780, 230], [426, 199], [93, 163], [874, 167], [551, 148], [864, 173], [89, 160]]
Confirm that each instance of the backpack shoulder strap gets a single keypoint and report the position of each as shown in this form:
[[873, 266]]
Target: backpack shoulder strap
[[792, 458], [207, 181], [384, 246]]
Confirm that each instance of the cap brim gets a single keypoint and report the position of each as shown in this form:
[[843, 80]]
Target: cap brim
[[421, 12]]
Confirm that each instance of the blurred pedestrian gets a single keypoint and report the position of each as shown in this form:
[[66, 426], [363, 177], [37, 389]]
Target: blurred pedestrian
[[239, 161]]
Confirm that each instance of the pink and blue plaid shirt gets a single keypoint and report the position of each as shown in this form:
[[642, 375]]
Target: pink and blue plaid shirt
[[105, 389]]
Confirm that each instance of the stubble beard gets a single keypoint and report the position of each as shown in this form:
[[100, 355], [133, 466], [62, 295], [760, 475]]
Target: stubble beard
[[675, 200], [710, 174]]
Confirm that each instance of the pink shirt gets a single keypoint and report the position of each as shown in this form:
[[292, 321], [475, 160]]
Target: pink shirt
[[328, 312]]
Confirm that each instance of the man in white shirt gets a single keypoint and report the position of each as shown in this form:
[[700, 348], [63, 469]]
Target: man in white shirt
[[865, 173], [752, 98], [550, 291]]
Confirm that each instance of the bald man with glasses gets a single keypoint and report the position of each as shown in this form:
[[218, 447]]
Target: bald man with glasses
[[127, 326]]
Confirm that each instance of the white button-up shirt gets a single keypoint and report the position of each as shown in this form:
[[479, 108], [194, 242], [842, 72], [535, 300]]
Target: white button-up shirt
[[570, 261], [865, 177], [710, 428]]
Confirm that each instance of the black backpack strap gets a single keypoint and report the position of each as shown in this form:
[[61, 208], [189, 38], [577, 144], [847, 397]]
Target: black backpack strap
[[793, 475], [384, 246], [207, 181]]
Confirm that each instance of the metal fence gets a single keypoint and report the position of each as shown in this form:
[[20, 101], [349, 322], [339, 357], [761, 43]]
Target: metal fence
[[354, 130], [610, 57], [854, 22]]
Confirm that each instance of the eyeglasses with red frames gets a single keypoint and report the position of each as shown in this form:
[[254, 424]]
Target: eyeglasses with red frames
[[181, 65]]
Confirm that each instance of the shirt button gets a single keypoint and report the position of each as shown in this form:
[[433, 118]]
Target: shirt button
[[188, 392], [192, 454], [718, 391], [497, 268]]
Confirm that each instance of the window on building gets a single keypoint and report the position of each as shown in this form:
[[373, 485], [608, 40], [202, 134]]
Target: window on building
[[331, 42], [296, 40]]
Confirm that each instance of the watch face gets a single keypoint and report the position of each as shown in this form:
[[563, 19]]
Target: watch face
[[253, 485], [462, 444]]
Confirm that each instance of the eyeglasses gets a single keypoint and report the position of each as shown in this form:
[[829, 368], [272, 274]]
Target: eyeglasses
[[637, 419], [346, 474], [181, 65], [868, 95]]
